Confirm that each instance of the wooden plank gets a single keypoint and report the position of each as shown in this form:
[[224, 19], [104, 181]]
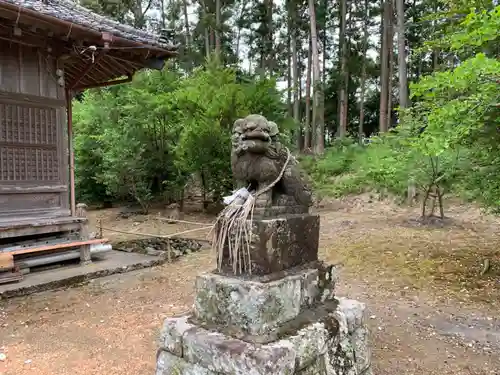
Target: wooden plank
[[49, 201], [10, 97], [8, 277], [41, 146], [52, 240], [58, 246], [39, 218], [6, 261], [16, 189], [36, 230]]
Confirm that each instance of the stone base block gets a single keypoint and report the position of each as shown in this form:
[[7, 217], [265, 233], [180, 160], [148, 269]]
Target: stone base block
[[250, 308], [336, 344], [281, 243]]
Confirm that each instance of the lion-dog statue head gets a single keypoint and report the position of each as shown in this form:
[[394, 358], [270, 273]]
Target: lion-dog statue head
[[258, 159]]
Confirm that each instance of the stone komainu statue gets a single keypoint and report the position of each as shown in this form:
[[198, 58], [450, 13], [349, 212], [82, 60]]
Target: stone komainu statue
[[258, 159]]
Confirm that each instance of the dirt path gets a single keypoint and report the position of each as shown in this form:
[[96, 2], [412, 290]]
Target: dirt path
[[430, 312]]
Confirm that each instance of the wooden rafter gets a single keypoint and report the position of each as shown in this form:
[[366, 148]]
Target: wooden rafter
[[105, 84], [116, 66], [109, 65]]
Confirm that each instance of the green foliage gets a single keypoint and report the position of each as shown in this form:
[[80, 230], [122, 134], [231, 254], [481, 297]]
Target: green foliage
[[88, 150], [144, 140], [478, 29], [449, 138], [385, 165], [458, 109], [470, 28], [336, 161], [453, 105]]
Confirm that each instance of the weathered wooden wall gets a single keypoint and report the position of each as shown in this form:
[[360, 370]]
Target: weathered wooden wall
[[33, 136]]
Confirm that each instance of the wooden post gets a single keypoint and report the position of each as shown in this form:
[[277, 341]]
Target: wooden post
[[81, 211], [69, 97], [169, 251], [99, 227]]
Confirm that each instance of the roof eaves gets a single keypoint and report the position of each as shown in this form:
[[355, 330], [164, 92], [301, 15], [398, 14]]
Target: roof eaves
[[65, 10]]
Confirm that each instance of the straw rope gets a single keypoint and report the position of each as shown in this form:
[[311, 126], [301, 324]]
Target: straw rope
[[233, 227]]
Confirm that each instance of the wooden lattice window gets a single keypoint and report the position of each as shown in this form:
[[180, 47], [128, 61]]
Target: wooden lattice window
[[28, 143]]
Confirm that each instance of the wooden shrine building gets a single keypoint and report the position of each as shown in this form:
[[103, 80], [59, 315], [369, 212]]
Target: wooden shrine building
[[50, 50]]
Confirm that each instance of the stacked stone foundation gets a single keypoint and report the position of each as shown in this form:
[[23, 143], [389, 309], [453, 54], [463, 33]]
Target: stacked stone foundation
[[280, 318], [292, 324]]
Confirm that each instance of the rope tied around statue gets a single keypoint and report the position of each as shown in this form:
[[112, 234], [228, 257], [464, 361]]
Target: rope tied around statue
[[233, 225]]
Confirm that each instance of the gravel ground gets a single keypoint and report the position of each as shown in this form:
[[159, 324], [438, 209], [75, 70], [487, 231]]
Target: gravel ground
[[430, 311]]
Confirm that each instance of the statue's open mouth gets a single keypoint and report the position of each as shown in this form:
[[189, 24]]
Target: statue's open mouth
[[256, 141], [256, 136]]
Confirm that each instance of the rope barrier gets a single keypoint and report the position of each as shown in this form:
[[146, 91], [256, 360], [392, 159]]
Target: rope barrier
[[166, 237], [179, 221], [155, 235]]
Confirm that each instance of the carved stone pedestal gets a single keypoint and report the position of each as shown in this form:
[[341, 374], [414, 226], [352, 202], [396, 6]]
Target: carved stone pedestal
[[280, 243], [278, 324]]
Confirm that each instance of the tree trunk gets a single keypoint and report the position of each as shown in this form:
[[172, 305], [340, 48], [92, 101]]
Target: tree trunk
[[363, 74], [212, 38], [308, 129], [402, 67], [435, 52], [206, 28], [299, 96], [267, 58], [318, 109], [347, 49], [207, 42], [296, 81], [390, 78], [419, 68], [238, 34], [384, 66], [292, 18], [324, 41], [343, 70], [140, 13], [186, 24], [435, 60], [270, 54], [218, 30], [162, 5], [289, 80]]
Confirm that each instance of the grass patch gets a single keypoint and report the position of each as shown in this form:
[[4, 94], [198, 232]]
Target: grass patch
[[449, 261]]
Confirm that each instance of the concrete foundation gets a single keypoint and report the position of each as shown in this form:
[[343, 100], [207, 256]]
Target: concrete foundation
[[112, 263]]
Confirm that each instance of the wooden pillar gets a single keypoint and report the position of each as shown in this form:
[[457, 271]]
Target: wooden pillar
[[81, 211], [69, 108]]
